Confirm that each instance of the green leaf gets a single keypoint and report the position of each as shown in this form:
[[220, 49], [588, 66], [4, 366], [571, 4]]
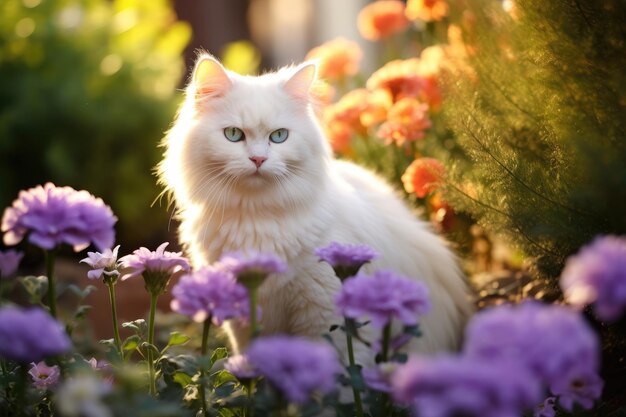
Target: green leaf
[[177, 338], [182, 378], [131, 343], [356, 379], [147, 346], [82, 311], [139, 326], [36, 287], [219, 353], [222, 377]]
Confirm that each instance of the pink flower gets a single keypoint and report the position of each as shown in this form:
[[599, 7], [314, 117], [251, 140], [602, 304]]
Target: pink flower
[[102, 263], [156, 267], [44, 376]]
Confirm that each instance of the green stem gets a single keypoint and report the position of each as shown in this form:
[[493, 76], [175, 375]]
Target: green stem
[[20, 388], [5, 375], [153, 302], [52, 300], [387, 404], [204, 350], [253, 324], [358, 405], [116, 332]]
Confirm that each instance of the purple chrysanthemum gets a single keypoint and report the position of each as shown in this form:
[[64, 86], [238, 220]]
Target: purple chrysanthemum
[[52, 215], [252, 268], [29, 335], [383, 296], [9, 261], [44, 376], [346, 259], [210, 292], [297, 367], [157, 267], [548, 339], [103, 264], [597, 275], [448, 386], [578, 385], [240, 366]]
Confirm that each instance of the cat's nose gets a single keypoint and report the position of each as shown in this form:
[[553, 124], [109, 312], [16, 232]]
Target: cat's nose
[[258, 160]]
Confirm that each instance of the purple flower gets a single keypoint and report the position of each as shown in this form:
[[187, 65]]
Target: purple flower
[[549, 340], [379, 378], [29, 335], [240, 366], [546, 408], [253, 267], [578, 385], [157, 267], [103, 264], [597, 274], [9, 261], [448, 386], [346, 260], [297, 367], [44, 376], [52, 215], [383, 296], [210, 292]]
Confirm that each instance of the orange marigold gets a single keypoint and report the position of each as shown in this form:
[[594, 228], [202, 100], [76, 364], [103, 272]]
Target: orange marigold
[[338, 58], [322, 92], [426, 10], [339, 135], [401, 77], [406, 121], [381, 19], [423, 176], [377, 104]]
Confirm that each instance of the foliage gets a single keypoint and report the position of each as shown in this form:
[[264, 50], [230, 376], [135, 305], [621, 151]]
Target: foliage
[[540, 113], [86, 90]]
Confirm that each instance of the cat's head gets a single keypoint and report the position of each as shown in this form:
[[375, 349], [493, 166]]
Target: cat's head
[[244, 135]]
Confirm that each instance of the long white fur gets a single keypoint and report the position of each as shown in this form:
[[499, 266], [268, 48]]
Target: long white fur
[[302, 199]]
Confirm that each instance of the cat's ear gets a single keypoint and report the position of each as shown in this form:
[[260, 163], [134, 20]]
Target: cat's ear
[[210, 78], [299, 85]]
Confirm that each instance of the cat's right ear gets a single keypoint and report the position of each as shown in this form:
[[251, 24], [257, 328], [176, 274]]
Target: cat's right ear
[[210, 78]]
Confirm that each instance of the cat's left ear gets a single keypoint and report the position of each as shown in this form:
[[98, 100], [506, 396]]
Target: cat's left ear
[[299, 85]]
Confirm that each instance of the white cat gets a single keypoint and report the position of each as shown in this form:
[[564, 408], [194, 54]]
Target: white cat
[[249, 168]]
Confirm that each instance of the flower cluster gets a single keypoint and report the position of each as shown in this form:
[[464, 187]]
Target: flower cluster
[[30, 335], [156, 267], [52, 215], [597, 275], [301, 369], [457, 385], [383, 296], [210, 293], [532, 334]]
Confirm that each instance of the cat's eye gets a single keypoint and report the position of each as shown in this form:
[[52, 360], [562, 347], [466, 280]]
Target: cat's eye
[[279, 135], [234, 134]]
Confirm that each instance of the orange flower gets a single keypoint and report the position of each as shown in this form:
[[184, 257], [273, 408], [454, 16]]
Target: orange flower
[[338, 58], [349, 108], [406, 121], [400, 77], [426, 10], [377, 104], [423, 176], [339, 136], [382, 19]]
